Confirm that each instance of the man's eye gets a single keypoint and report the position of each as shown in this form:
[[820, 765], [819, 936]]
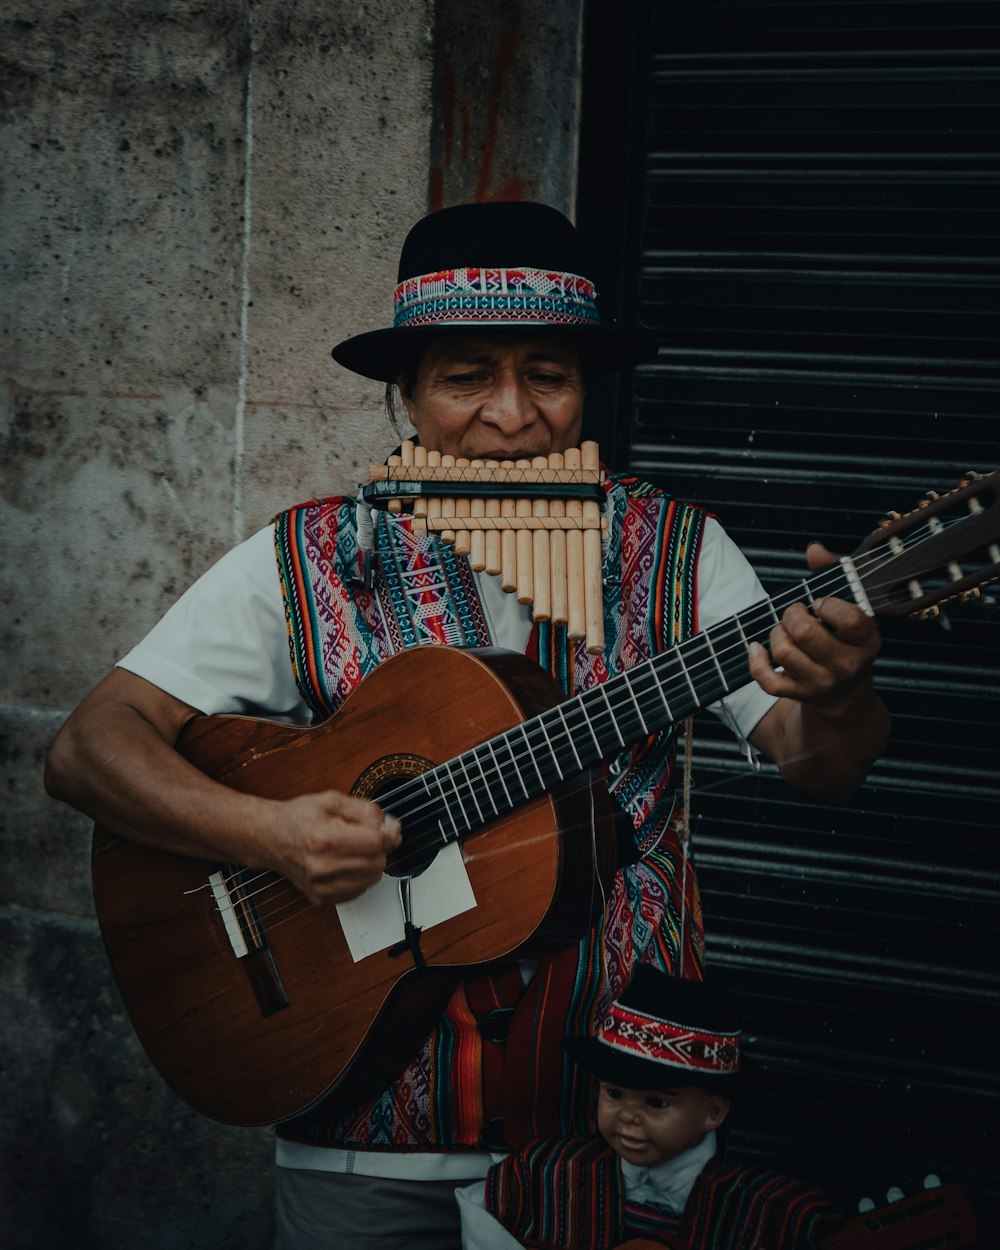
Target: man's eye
[[658, 1104], [612, 1091], [549, 379]]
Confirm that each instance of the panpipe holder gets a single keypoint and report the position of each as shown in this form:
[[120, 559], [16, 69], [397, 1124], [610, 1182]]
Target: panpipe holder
[[381, 493]]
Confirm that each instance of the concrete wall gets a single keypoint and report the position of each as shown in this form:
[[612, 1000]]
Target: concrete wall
[[200, 200]]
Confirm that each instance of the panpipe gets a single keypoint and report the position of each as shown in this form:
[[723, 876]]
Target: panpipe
[[536, 524]]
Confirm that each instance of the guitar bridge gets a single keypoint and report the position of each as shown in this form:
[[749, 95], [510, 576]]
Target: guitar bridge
[[247, 937]]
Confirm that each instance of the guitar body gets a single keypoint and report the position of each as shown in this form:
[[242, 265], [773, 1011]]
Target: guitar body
[[259, 1038]]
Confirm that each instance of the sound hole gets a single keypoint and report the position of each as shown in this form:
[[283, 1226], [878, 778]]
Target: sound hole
[[378, 779]]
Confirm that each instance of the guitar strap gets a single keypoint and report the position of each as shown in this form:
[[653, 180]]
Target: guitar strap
[[523, 1061], [493, 997]]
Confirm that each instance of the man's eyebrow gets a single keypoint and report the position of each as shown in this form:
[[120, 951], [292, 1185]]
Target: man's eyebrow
[[551, 354]]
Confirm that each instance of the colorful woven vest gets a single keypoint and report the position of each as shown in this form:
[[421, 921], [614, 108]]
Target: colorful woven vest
[[569, 1194], [462, 1090]]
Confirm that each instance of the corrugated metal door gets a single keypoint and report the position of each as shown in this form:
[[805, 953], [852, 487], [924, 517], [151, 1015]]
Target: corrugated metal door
[[799, 200]]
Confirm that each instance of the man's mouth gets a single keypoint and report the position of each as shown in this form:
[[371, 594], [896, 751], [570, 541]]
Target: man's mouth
[[516, 453]]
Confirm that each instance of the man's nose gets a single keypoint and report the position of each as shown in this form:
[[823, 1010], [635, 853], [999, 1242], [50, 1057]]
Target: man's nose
[[508, 406]]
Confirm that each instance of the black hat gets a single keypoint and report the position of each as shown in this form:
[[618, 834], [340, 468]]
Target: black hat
[[502, 267], [664, 1033]]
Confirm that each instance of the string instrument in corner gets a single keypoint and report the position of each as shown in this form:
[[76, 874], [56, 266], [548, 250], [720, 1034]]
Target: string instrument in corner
[[247, 999], [932, 1220], [940, 1216]]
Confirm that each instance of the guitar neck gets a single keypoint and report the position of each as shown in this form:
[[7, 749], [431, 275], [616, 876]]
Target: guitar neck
[[512, 768]]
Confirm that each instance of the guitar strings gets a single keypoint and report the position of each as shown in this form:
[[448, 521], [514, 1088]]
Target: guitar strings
[[297, 904], [763, 614]]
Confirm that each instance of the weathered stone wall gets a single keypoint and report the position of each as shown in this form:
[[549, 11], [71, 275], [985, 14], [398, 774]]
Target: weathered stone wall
[[200, 200]]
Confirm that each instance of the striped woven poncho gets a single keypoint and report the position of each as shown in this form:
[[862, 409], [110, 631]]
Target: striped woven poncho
[[569, 1194]]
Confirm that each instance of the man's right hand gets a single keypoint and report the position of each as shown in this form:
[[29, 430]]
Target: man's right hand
[[115, 760], [332, 846]]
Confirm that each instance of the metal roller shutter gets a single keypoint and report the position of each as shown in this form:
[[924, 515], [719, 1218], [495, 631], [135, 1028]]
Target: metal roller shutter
[[799, 201]]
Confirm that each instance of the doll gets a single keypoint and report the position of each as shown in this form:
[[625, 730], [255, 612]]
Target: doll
[[667, 1059]]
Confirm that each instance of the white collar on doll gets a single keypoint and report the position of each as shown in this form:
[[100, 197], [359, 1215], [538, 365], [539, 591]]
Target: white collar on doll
[[668, 1184]]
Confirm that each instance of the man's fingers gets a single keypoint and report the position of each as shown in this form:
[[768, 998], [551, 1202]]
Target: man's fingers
[[368, 818], [819, 557]]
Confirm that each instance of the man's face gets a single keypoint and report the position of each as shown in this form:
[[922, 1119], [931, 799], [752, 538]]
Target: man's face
[[647, 1127], [496, 397]]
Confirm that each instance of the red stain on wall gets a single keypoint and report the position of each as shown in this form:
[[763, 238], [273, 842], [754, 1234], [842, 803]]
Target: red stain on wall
[[511, 188]]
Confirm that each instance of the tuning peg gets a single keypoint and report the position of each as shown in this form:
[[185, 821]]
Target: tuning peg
[[866, 1204], [893, 1193], [932, 1181], [888, 519]]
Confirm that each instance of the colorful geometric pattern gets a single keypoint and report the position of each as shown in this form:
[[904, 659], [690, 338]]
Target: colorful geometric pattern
[[423, 593], [339, 632], [662, 1041], [495, 296]]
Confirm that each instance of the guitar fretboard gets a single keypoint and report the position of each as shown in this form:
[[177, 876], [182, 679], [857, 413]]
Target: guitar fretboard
[[504, 772]]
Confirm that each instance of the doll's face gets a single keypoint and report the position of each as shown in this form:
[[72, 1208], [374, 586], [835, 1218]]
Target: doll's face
[[648, 1126]]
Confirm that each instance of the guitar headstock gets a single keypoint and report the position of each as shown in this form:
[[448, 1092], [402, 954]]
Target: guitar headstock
[[941, 1216], [945, 549]]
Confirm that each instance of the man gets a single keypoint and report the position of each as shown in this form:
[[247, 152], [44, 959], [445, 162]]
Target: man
[[496, 330]]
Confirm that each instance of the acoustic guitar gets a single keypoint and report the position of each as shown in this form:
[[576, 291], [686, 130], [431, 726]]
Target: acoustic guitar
[[247, 999]]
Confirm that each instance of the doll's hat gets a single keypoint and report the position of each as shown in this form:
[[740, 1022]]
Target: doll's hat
[[664, 1033], [497, 268]]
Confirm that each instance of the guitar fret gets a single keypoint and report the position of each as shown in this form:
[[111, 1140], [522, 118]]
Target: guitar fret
[[488, 789], [569, 738], [614, 723], [733, 652], [555, 759], [472, 790], [635, 702], [590, 728], [662, 693], [447, 772], [499, 772], [569, 757], [437, 799], [531, 755], [715, 661], [514, 766], [687, 675]]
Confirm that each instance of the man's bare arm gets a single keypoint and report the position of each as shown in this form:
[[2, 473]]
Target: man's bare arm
[[114, 760]]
